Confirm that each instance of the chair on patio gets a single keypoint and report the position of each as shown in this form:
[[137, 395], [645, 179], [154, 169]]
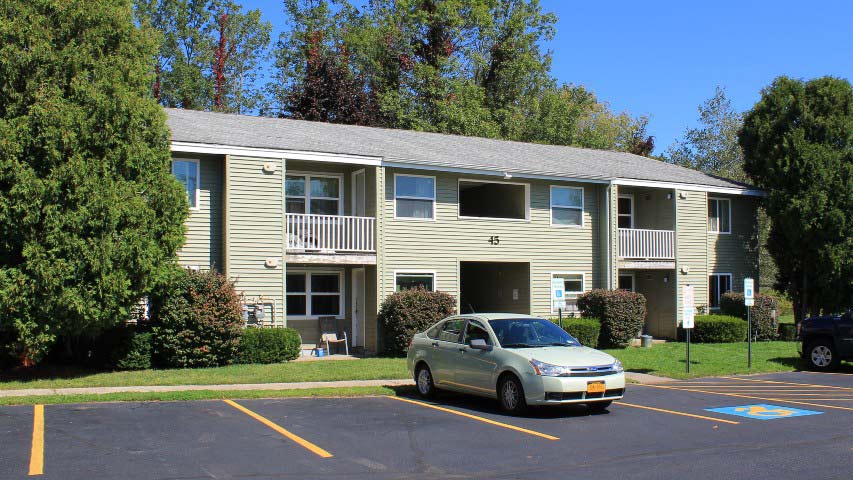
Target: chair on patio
[[329, 334]]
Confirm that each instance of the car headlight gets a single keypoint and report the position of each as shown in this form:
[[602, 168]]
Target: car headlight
[[549, 370], [617, 366]]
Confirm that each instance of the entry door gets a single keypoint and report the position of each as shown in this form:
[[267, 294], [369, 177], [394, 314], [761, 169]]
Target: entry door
[[359, 194], [358, 307]]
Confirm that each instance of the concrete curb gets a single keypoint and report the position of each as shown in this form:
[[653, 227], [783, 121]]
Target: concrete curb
[[186, 388]]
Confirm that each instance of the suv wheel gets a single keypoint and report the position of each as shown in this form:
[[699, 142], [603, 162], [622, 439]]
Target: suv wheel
[[821, 355], [511, 395], [423, 379]]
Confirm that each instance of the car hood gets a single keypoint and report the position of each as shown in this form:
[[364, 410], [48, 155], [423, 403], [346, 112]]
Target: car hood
[[565, 356]]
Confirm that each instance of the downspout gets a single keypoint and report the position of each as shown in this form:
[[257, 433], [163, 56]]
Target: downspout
[[608, 214]]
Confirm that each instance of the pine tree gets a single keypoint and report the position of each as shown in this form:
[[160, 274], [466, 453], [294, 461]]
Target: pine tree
[[90, 215]]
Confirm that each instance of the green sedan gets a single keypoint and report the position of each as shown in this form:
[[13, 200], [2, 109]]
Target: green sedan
[[518, 359]]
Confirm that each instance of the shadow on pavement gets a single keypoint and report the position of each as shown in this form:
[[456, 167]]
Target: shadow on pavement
[[481, 405]]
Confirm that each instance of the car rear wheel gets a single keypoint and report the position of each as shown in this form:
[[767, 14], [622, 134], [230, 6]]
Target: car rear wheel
[[511, 395], [821, 355], [598, 407], [423, 379]]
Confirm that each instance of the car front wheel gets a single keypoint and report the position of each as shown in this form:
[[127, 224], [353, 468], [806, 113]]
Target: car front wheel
[[511, 395], [423, 379], [821, 355]]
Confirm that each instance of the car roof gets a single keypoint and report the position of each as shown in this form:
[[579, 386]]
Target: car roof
[[497, 316]]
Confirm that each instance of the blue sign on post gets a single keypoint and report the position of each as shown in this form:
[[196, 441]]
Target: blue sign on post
[[763, 411]]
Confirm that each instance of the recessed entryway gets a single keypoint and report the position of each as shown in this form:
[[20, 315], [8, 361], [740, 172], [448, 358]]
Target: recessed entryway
[[494, 287]]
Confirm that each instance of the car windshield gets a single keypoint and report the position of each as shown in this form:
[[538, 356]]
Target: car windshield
[[530, 332]]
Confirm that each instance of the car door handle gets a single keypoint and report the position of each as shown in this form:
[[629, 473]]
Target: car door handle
[[434, 344]]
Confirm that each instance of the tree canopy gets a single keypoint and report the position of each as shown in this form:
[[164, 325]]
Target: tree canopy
[[798, 146], [90, 214]]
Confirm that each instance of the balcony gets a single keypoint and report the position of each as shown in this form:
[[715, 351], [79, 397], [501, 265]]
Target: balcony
[[330, 239], [647, 245]]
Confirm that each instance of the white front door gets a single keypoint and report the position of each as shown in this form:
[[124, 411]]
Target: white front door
[[358, 307], [359, 194]]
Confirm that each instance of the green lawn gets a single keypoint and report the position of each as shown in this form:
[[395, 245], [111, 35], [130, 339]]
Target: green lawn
[[317, 371], [662, 359], [787, 318], [708, 359]]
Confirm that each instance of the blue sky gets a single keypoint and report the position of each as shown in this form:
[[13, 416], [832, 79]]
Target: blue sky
[[664, 58]]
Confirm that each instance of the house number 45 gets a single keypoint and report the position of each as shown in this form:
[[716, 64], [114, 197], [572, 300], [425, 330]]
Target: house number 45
[[495, 240]]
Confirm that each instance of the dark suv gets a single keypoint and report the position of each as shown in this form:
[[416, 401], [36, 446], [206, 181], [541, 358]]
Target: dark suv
[[825, 341]]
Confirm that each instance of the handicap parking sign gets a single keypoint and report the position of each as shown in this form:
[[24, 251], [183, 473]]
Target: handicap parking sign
[[764, 411]]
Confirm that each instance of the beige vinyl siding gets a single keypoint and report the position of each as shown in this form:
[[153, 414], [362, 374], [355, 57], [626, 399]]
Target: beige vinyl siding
[[203, 245], [737, 252], [440, 244], [691, 247], [255, 222]]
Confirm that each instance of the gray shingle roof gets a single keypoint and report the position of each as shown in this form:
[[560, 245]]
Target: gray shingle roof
[[428, 149]]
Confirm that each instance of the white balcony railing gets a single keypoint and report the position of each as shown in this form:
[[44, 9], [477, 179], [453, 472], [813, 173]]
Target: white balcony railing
[[330, 233], [646, 244]]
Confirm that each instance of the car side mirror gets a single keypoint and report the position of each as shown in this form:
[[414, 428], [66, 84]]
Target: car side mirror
[[479, 344]]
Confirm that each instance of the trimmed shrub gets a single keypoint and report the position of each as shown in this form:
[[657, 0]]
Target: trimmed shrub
[[622, 314], [786, 307], [718, 329], [197, 321], [403, 314], [787, 332], [763, 325], [269, 345], [124, 347], [585, 330]]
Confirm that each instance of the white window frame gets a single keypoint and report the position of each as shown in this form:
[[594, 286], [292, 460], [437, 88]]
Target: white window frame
[[583, 285], [629, 196], [633, 280], [307, 197], [501, 219], [403, 197], [415, 271], [197, 163], [719, 290], [309, 315], [552, 206], [718, 200]]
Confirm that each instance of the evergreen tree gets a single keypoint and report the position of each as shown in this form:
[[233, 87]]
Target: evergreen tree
[[90, 215], [798, 146]]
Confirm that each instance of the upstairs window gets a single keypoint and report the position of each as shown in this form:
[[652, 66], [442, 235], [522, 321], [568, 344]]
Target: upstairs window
[[719, 215], [492, 200], [187, 172], [626, 211], [312, 194], [414, 197], [567, 206]]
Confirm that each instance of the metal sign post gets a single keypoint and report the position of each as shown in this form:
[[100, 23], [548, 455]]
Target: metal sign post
[[748, 301], [558, 297], [688, 310]]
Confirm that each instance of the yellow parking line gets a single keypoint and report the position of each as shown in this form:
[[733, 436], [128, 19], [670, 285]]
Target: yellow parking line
[[683, 414], [299, 440], [745, 396], [831, 387], [37, 450], [475, 417]]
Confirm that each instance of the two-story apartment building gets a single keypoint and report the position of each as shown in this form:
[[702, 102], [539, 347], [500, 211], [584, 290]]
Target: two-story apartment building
[[312, 220]]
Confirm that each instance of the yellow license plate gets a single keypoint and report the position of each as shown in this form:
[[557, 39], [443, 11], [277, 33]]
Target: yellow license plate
[[595, 387]]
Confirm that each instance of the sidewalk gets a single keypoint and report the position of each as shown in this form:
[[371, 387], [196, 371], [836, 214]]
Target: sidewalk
[[636, 377], [186, 388]]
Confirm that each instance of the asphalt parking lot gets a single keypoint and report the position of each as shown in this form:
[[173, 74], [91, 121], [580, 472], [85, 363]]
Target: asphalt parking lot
[[791, 425]]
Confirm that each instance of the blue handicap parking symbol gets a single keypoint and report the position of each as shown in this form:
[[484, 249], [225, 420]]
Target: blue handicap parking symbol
[[763, 411]]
